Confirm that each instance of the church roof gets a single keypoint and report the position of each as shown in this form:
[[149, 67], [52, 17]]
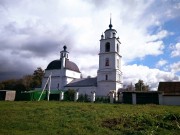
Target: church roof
[[83, 82], [110, 27], [111, 30], [56, 64], [169, 87]]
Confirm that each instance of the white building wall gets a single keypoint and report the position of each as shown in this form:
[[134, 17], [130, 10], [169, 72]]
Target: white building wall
[[72, 74], [83, 90], [60, 77], [171, 100], [105, 87], [55, 78]]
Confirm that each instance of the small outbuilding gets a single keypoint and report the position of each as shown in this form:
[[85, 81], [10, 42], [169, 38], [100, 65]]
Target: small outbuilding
[[170, 93], [7, 95]]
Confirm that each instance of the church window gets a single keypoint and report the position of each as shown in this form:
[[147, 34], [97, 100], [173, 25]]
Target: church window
[[106, 77], [117, 48], [117, 63], [119, 77], [58, 86], [107, 62], [107, 47]]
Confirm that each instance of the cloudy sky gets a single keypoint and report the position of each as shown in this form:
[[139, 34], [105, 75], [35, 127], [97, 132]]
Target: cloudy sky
[[33, 32]]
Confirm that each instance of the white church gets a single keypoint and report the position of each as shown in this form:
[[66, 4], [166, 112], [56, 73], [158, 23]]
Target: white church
[[65, 74]]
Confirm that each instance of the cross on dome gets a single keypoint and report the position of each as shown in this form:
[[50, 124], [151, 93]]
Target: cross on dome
[[110, 25]]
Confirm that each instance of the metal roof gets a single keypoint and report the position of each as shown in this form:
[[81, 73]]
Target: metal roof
[[169, 87], [83, 82], [56, 64]]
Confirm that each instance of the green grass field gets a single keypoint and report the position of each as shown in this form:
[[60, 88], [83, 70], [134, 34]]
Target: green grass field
[[72, 118]]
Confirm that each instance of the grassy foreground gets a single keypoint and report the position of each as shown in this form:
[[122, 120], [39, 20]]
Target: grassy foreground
[[87, 118]]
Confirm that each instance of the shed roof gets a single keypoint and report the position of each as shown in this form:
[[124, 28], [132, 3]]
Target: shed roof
[[169, 87]]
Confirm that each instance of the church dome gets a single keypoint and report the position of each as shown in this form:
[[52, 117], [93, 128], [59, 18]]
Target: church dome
[[56, 64]]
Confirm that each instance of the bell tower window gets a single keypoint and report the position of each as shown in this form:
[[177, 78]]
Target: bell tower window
[[106, 77], [107, 47], [117, 48], [107, 62]]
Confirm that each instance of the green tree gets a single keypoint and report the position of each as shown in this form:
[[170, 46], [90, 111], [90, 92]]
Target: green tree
[[27, 81], [69, 95], [37, 77], [140, 86], [1, 86], [9, 84]]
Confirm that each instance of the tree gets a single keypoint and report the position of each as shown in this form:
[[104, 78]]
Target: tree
[[8, 84], [27, 81], [37, 77], [38, 74], [69, 94], [140, 86], [130, 87], [1, 86]]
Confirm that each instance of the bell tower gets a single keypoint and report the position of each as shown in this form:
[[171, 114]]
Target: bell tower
[[63, 56], [109, 75]]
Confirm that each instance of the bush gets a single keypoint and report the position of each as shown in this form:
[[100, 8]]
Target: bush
[[102, 99], [83, 98], [69, 95]]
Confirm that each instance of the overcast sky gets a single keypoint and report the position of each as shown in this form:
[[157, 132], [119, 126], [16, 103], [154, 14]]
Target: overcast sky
[[33, 32]]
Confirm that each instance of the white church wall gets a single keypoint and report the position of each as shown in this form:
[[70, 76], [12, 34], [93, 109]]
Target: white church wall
[[83, 90], [104, 88], [72, 74], [60, 77], [112, 76], [56, 81], [103, 43], [69, 79], [113, 45], [113, 64]]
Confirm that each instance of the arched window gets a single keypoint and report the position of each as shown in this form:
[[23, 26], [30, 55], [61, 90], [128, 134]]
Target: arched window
[[106, 77], [117, 48], [107, 62], [107, 47], [58, 86], [117, 63]]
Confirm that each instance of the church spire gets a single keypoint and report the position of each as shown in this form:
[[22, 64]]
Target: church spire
[[110, 25]]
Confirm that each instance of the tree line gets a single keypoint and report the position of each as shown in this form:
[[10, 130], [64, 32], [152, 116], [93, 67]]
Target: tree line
[[29, 82], [139, 86], [26, 83]]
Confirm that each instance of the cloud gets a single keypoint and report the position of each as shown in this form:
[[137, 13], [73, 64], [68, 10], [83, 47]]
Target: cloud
[[32, 33], [175, 67], [161, 63], [132, 73], [175, 50]]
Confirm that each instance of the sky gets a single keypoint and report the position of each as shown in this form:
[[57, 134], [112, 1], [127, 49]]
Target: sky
[[33, 32]]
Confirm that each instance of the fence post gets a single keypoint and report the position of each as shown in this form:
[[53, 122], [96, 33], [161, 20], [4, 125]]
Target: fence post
[[111, 97], [61, 96], [76, 96], [93, 96]]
